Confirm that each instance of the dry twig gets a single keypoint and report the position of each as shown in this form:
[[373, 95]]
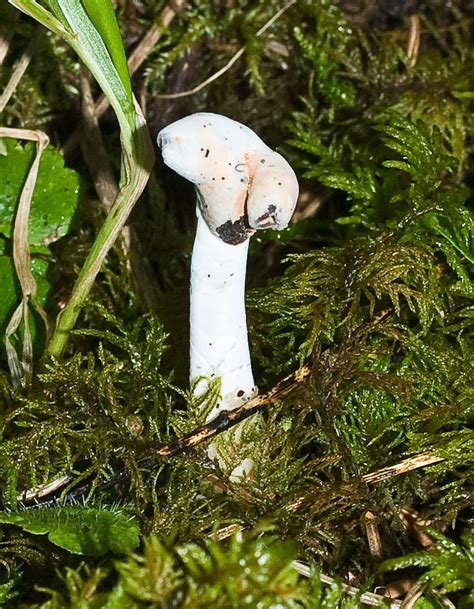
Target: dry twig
[[20, 68], [407, 465], [93, 149], [373, 535], [229, 418], [413, 40], [368, 598], [6, 33]]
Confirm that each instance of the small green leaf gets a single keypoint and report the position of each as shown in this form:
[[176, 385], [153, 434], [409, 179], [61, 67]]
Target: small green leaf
[[55, 198], [88, 531]]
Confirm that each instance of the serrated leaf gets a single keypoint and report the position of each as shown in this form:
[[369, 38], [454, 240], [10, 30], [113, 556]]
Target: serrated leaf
[[55, 198], [79, 530]]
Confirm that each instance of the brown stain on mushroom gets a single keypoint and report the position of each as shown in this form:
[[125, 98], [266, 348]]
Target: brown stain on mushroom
[[234, 232]]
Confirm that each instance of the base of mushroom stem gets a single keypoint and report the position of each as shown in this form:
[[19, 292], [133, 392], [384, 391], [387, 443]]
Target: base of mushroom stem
[[243, 470]]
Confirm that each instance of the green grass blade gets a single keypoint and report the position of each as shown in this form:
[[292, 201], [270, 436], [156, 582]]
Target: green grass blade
[[102, 15]]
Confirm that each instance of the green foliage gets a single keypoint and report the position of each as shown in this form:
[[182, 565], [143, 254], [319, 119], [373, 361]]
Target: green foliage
[[450, 565], [55, 199], [331, 39], [241, 573], [102, 15], [80, 530], [7, 592], [65, 428], [95, 36]]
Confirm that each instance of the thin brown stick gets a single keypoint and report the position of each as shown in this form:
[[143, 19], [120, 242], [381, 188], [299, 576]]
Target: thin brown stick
[[415, 593], [413, 40], [93, 149], [373, 535], [44, 490], [367, 598], [20, 68], [444, 600], [229, 418], [137, 57], [223, 421], [414, 525], [421, 460], [7, 32]]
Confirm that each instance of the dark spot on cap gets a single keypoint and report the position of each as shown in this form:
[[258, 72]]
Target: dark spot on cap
[[234, 232], [268, 219], [262, 160], [207, 153], [240, 393], [222, 178]]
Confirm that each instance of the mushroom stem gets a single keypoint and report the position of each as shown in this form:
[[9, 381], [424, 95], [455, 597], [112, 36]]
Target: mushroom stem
[[242, 186], [218, 330]]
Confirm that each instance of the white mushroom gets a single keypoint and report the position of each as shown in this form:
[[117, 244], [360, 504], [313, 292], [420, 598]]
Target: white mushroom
[[242, 186]]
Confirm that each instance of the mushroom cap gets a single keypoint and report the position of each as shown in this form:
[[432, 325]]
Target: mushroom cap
[[242, 184]]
